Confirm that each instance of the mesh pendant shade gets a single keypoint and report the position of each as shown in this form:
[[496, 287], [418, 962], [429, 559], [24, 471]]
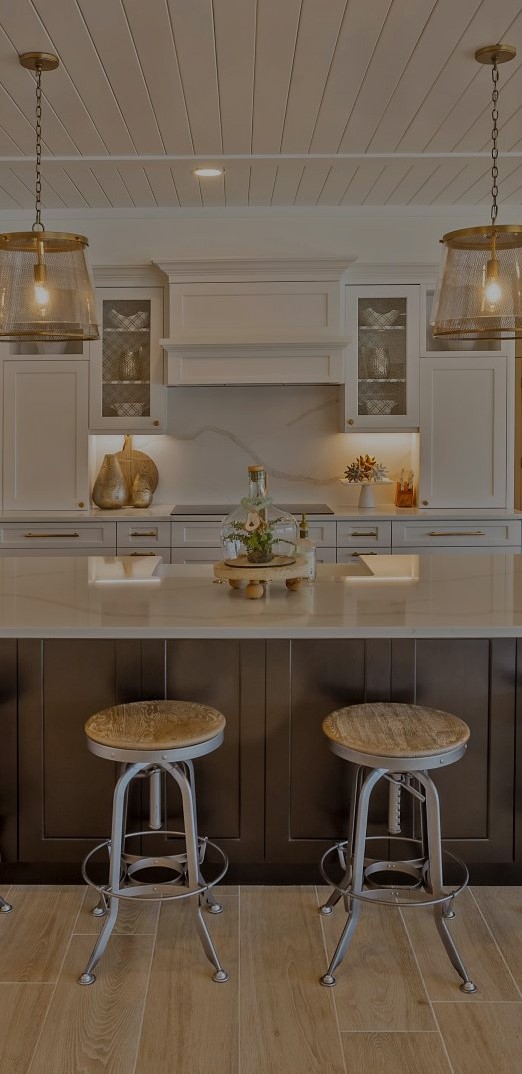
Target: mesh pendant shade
[[46, 291], [479, 294]]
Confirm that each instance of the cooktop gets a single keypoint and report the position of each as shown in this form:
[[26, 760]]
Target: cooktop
[[223, 509]]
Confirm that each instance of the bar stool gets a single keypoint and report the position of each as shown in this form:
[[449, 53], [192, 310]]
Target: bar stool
[[398, 743], [148, 738]]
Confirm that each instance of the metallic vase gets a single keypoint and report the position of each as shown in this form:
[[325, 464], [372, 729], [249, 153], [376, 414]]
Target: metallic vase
[[110, 488]]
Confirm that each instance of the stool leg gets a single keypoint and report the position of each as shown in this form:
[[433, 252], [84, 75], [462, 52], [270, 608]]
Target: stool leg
[[436, 877], [213, 906], [357, 880], [447, 908], [328, 906], [189, 822], [118, 812], [5, 907]]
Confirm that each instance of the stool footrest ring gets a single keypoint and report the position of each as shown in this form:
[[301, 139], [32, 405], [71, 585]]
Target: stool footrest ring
[[155, 891], [414, 867]]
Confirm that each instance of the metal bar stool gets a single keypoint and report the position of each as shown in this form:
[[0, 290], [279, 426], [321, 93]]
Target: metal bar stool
[[149, 738], [398, 743]]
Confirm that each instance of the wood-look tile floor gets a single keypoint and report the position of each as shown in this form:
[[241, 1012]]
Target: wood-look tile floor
[[397, 1007]]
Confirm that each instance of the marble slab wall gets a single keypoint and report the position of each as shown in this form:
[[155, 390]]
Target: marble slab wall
[[215, 433]]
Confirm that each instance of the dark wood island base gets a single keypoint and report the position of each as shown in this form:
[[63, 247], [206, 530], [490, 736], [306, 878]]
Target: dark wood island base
[[273, 797]]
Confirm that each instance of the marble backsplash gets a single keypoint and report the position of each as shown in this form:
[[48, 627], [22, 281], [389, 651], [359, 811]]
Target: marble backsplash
[[215, 433]]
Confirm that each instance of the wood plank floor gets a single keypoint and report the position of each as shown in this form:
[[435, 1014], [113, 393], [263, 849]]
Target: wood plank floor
[[397, 1007]]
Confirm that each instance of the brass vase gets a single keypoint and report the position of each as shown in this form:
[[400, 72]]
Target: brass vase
[[110, 488], [141, 491]]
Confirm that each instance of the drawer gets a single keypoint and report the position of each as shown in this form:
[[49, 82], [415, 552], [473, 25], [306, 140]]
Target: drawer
[[326, 555], [452, 534], [144, 551], [322, 533], [344, 555], [196, 555], [81, 550], [458, 550], [96, 535], [144, 534], [196, 535], [367, 534]]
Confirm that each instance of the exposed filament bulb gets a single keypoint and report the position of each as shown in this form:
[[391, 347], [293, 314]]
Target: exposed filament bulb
[[492, 287], [41, 293]]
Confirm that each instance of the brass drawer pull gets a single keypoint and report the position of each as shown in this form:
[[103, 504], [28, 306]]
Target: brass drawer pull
[[143, 553], [457, 533], [47, 535], [364, 553], [145, 533], [364, 533]]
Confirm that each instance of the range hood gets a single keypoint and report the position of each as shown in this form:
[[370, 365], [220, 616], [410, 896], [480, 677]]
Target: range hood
[[237, 321]]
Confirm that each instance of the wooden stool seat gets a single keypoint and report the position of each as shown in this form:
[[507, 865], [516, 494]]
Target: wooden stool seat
[[394, 730], [154, 725]]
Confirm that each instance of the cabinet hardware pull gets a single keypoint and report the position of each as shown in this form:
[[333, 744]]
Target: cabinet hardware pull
[[457, 533], [364, 533], [364, 553], [144, 533], [143, 553], [51, 534]]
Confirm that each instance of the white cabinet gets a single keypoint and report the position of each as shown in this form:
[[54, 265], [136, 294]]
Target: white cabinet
[[98, 538], [353, 534], [382, 386], [45, 442], [466, 431], [451, 534], [126, 386]]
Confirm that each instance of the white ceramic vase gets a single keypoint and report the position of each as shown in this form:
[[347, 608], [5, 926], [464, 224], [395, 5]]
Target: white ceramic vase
[[366, 497]]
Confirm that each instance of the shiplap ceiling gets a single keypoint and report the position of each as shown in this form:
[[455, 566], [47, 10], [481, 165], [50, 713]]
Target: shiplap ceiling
[[302, 102]]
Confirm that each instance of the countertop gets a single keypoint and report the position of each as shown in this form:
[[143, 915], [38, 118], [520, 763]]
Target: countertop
[[162, 513], [405, 596]]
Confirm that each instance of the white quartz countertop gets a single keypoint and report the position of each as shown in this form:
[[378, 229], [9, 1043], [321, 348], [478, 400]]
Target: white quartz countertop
[[404, 596], [162, 513]]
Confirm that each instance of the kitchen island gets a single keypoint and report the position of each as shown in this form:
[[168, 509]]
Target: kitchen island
[[440, 630]]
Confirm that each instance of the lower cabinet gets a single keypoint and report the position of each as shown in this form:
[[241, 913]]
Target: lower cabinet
[[273, 796]]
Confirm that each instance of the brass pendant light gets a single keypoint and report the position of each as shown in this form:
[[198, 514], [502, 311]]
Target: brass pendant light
[[479, 294], [46, 291]]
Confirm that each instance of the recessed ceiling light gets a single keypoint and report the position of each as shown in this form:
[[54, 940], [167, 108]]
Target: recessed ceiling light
[[207, 173]]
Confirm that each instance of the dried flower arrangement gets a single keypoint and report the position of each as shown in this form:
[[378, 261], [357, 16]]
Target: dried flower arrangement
[[366, 469]]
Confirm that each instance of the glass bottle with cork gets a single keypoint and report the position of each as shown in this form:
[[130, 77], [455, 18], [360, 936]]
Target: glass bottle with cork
[[257, 530], [306, 549]]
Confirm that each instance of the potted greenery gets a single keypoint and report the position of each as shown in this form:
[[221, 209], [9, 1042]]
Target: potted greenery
[[256, 535]]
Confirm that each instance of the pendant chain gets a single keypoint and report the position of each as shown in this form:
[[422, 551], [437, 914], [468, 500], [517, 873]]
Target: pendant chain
[[38, 187], [494, 149]]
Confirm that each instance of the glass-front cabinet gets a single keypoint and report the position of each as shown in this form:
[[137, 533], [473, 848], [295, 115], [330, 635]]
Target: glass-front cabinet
[[127, 393], [382, 385]]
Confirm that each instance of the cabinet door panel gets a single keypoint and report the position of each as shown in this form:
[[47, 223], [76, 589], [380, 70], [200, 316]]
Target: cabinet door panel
[[45, 434], [464, 432]]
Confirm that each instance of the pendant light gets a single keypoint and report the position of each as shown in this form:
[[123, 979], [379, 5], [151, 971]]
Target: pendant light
[[46, 291], [479, 294]]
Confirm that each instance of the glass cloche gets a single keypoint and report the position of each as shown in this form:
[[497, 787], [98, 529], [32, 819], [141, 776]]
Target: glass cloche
[[257, 529]]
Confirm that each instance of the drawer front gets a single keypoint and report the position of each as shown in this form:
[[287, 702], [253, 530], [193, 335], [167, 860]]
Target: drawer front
[[344, 555], [196, 535], [367, 534], [39, 536], [144, 551], [326, 555], [143, 534], [82, 550], [458, 550], [196, 555], [453, 534], [323, 534]]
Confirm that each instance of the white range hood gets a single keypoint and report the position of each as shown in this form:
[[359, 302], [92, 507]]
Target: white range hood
[[237, 321]]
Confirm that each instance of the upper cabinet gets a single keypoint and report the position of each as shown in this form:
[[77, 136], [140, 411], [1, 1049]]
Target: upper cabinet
[[256, 322], [382, 374], [126, 383]]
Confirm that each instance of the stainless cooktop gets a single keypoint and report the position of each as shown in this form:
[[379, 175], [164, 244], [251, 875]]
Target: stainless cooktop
[[223, 509]]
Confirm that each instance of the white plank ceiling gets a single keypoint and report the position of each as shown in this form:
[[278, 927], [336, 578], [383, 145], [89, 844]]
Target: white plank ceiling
[[301, 102]]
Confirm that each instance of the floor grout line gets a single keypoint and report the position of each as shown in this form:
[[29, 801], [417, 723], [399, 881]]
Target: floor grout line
[[497, 945], [146, 993], [336, 1012], [434, 1016], [44, 1020]]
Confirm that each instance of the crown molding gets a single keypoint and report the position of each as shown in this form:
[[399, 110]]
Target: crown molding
[[121, 275], [234, 270]]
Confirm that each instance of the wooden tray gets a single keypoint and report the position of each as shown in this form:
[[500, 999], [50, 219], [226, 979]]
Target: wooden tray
[[135, 462], [257, 579], [276, 561]]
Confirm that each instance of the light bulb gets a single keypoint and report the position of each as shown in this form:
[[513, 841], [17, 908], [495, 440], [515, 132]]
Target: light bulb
[[492, 288], [41, 295]]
